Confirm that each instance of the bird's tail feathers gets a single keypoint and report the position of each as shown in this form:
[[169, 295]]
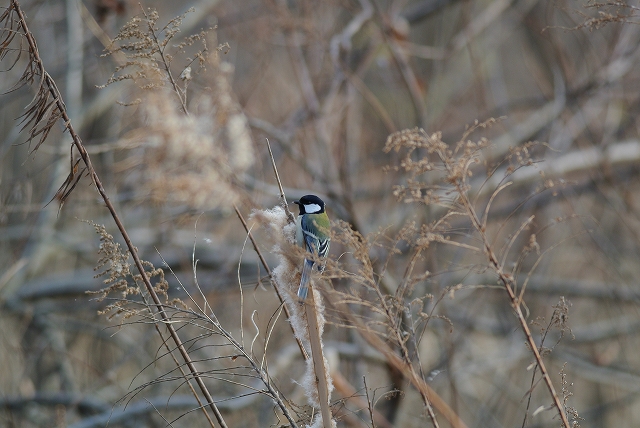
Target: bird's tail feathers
[[303, 289]]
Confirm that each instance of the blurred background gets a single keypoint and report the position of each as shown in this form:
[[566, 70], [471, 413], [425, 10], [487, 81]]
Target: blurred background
[[326, 82]]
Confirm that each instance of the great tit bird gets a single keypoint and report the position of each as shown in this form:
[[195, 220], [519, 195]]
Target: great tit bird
[[312, 234]]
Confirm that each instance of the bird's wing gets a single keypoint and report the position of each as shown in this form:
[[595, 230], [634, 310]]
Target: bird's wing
[[316, 241], [311, 240], [323, 246]]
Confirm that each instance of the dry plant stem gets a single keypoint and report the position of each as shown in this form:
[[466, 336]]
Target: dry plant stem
[[184, 375], [369, 403], [348, 391], [283, 199], [533, 376], [509, 285], [266, 266], [161, 49], [48, 81], [317, 355]]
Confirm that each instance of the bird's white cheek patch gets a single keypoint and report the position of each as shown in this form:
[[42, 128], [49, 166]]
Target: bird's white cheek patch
[[311, 208]]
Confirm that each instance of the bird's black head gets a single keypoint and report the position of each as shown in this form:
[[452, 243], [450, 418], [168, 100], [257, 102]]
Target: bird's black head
[[310, 204]]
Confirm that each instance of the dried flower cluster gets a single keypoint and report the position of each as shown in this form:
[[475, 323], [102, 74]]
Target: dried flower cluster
[[120, 279], [446, 166], [142, 47], [608, 13]]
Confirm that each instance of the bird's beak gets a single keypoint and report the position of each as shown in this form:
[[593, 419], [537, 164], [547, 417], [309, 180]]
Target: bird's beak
[[296, 202]]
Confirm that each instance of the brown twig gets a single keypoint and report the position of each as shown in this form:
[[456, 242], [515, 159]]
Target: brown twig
[[283, 199], [347, 390], [317, 354], [369, 402], [161, 48], [184, 375]]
